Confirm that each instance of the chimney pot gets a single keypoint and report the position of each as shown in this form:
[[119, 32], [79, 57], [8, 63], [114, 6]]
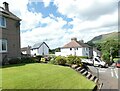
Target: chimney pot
[[75, 39], [81, 41], [6, 6]]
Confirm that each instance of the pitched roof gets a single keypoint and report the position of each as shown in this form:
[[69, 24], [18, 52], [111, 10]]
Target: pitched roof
[[6, 13], [95, 49], [25, 48], [38, 45], [75, 44]]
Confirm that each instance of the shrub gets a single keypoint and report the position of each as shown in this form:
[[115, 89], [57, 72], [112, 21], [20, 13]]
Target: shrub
[[14, 61], [43, 60], [28, 60], [73, 60], [47, 58], [106, 57], [60, 60], [85, 57], [77, 60], [53, 61], [39, 57]]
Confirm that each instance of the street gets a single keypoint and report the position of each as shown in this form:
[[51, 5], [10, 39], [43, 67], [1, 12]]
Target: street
[[108, 76]]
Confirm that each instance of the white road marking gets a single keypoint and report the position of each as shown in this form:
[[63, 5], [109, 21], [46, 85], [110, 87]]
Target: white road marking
[[102, 70], [112, 72], [116, 73]]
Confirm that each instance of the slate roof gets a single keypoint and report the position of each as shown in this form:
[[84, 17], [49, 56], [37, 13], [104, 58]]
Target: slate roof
[[38, 45], [25, 48], [6, 13], [95, 49], [75, 44]]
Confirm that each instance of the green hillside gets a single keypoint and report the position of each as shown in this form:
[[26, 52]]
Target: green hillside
[[105, 37]]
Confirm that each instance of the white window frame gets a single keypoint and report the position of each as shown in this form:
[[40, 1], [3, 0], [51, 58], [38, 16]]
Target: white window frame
[[4, 22], [1, 41]]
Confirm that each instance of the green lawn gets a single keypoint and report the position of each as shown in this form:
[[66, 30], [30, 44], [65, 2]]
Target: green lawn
[[43, 76]]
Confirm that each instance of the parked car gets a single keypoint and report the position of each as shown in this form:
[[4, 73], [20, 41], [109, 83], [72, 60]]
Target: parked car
[[98, 62], [118, 64], [87, 61]]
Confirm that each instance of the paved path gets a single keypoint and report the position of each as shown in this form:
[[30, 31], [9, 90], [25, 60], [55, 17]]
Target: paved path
[[108, 76]]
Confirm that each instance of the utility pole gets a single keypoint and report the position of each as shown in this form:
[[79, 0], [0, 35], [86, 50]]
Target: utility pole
[[111, 54]]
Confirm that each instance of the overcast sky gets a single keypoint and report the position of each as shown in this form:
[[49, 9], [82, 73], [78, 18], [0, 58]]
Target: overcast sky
[[57, 21]]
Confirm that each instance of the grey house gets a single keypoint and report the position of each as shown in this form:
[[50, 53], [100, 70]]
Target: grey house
[[40, 49], [9, 34]]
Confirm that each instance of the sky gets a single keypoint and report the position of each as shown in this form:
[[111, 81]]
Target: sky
[[57, 21]]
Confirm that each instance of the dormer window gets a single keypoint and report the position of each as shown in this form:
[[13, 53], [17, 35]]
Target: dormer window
[[2, 22]]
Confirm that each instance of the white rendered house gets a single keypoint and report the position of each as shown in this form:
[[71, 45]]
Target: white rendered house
[[74, 47], [96, 52]]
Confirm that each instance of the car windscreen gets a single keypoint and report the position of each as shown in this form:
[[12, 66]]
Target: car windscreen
[[97, 60]]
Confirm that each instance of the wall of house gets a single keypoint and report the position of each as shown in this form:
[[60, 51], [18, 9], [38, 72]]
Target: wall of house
[[90, 52], [85, 51], [43, 50], [12, 34], [96, 53], [67, 51], [79, 52], [34, 52], [24, 52], [74, 51]]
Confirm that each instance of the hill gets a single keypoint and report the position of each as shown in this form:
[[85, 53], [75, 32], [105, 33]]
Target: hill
[[105, 37]]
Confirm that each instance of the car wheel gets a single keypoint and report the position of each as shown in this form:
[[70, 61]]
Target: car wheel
[[100, 66]]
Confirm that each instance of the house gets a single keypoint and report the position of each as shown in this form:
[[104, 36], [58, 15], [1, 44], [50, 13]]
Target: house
[[26, 50], [74, 47], [9, 34], [96, 52], [40, 49]]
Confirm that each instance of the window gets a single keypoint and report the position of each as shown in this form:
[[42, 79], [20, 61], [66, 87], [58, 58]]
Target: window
[[97, 60], [70, 48], [86, 49], [3, 45], [2, 22]]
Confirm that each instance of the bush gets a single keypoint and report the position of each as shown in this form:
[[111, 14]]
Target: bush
[[47, 58], [28, 60], [73, 60], [60, 60], [39, 57], [53, 61], [77, 60], [106, 57], [43, 60], [14, 61], [84, 57]]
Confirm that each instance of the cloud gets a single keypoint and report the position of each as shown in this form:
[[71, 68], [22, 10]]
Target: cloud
[[53, 32], [90, 18], [85, 9]]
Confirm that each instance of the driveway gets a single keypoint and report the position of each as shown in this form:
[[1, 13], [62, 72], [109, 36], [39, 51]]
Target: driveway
[[108, 76]]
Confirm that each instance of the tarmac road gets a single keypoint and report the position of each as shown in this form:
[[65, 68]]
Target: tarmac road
[[110, 77]]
